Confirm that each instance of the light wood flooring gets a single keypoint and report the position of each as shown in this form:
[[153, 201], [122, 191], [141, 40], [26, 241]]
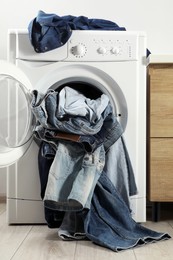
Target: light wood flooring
[[38, 242]]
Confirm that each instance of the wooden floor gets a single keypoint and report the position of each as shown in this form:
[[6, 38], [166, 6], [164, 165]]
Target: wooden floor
[[38, 242]]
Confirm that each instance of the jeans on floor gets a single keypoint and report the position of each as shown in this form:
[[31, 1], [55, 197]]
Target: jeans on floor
[[109, 223]]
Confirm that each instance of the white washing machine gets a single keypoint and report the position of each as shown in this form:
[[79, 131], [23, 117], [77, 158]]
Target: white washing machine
[[112, 62]]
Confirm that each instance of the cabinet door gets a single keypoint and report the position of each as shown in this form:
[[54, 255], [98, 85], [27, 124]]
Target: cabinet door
[[161, 100], [161, 169]]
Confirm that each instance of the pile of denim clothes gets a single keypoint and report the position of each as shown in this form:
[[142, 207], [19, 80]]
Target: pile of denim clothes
[[85, 170]]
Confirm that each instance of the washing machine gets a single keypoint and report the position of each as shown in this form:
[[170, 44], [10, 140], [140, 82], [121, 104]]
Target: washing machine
[[110, 62]]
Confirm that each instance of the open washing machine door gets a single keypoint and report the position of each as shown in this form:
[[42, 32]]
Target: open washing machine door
[[16, 118]]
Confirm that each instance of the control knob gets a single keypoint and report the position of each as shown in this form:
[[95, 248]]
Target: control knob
[[115, 50], [79, 50], [102, 50]]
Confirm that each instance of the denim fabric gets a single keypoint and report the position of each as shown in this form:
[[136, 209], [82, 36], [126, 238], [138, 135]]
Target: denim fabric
[[74, 103], [69, 224], [118, 165], [72, 227], [46, 155], [45, 158], [119, 170], [110, 132], [96, 127], [45, 109], [73, 176], [131, 177], [50, 31], [109, 223]]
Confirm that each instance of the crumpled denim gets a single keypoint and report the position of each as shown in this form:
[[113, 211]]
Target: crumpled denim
[[109, 223], [45, 159], [50, 31], [46, 156], [72, 177], [110, 132], [74, 103], [119, 170], [45, 109]]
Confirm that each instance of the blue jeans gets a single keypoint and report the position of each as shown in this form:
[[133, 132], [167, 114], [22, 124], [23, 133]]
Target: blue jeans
[[46, 111], [109, 223], [106, 130], [110, 132], [119, 170], [72, 177]]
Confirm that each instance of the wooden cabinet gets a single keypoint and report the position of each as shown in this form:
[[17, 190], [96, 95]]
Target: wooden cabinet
[[160, 133]]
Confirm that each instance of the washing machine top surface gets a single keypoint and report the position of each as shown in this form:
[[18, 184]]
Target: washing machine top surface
[[84, 46]]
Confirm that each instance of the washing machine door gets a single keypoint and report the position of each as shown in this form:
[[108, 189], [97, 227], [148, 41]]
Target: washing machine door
[[16, 119]]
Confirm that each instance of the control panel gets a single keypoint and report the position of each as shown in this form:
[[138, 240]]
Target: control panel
[[83, 45], [102, 46]]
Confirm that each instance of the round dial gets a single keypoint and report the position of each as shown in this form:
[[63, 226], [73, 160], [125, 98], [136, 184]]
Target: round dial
[[115, 50], [79, 50], [102, 50]]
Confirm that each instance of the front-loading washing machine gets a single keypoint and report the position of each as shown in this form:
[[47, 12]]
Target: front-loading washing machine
[[110, 62]]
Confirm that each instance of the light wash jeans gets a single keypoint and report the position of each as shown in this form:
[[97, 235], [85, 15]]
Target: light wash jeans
[[119, 170], [50, 111], [108, 222], [73, 176], [47, 114]]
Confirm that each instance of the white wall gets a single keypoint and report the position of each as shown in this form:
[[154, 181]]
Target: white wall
[[152, 16]]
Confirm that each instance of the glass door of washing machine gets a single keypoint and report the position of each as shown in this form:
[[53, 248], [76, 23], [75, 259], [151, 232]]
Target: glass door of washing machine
[[16, 119]]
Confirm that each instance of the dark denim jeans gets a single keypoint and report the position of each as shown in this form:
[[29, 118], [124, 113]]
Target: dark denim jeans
[[109, 223], [45, 158]]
